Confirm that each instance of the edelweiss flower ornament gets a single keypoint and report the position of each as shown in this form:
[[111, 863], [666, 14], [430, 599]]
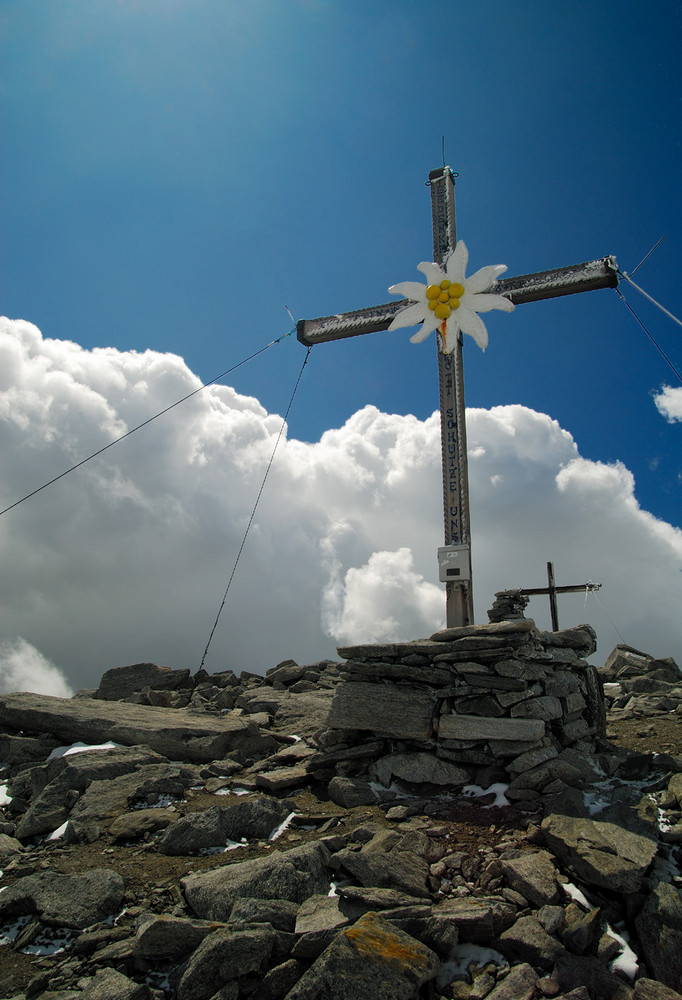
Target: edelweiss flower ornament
[[449, 301]]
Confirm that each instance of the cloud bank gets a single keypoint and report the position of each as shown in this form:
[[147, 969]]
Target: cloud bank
[[126, 560]]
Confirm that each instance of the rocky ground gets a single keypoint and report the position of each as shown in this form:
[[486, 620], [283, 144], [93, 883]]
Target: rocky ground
[[438, 892]]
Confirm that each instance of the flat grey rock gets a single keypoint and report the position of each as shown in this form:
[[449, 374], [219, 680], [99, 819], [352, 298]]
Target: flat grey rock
[[164, 936], [420, 768], [147, 785], [528, 941], [121, 682], [299, 714], [534, 876], [370, 959], [75, 901], [659, 927], [73, 774], [600, 853], [480, 919], [520, 984], [253, 819], [280, 913], [178, 734], [470, 727], [294, 875], [385, 710], [108, 984], [397, 869], [224, 956], [351, 792]]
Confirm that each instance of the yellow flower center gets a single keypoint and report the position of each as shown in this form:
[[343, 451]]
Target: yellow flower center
[[444, 298]]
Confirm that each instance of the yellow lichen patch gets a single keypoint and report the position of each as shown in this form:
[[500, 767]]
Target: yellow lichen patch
[[376, 941]]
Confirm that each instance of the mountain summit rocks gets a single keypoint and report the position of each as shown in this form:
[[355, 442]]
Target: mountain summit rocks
[[441, 818]]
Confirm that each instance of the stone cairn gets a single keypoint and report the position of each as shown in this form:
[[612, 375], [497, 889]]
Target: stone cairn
[[508, 605], [448, 709]]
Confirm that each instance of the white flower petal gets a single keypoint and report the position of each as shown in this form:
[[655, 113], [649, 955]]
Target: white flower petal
[[430, 323], [451, 335], [472, 324], [482, 279], [456, 263], [414, 290], [410, 315], [484, 302], [434, 272]]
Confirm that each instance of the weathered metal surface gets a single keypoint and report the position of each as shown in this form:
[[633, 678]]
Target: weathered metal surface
[[350, 324], [587, 277], [591, 275], [459, 601]]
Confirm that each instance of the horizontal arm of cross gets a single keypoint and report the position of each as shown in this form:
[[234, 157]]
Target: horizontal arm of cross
[[581, 588], [585, 277]]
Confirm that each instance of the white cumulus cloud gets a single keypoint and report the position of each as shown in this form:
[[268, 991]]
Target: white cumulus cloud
[[24, 668], [126, 559], [384, 600], [669, 402]]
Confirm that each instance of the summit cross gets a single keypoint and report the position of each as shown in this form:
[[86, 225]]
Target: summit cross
[[454, 556]]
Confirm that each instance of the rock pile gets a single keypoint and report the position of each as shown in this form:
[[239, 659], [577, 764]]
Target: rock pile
[[205, 853], [636, 684], [502, 698], [508, 605]]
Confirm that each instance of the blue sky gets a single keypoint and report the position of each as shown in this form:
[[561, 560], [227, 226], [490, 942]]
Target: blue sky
[[176, 173]]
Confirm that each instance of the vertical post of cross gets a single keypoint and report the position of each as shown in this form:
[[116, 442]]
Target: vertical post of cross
[[455, 572], [551, 587]]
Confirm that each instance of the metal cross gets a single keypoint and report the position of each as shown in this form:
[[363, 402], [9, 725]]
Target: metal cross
[[552, 590], [455, 556]]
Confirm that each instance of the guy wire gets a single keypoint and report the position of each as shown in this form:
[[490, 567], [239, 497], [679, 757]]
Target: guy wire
[[649, 335], [253, 512], [145, 423]]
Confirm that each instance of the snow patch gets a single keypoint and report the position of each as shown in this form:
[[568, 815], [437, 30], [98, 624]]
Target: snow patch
[[279, 830], [464, 955], [58, 833], [499, 789], [626, 961], [575, 893], [162, 802], [82, 747]]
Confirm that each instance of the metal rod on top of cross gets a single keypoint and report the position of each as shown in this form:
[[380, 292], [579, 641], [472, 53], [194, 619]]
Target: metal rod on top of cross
[[455, 556]]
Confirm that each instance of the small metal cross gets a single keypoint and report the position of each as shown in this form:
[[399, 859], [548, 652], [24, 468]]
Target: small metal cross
[[552, 590]]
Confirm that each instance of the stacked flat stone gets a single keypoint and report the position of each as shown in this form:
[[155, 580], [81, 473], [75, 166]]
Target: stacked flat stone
[[637, 684], [508, 606], [503, 694]]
